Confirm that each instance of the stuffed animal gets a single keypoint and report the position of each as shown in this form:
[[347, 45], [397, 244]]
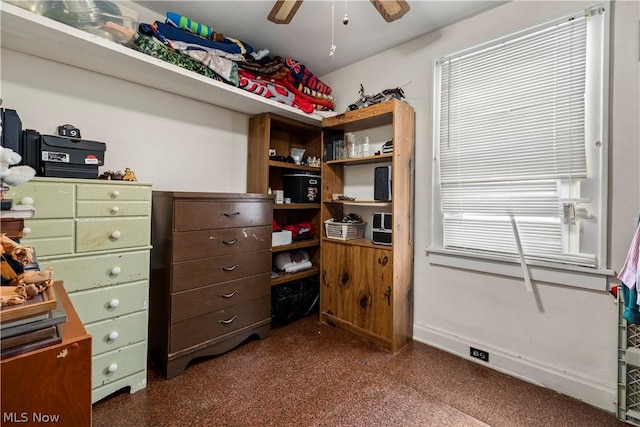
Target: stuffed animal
[[9, 173], [28, 283]]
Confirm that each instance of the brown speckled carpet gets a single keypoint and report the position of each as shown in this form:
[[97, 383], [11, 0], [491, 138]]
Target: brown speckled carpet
[[308, 374]]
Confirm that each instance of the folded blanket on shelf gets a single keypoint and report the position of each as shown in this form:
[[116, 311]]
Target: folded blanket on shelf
[[229, 44], [271, 90], [222, 67], [152, 47], [300, 97], [302, 75], [187, 24], [274, 68]]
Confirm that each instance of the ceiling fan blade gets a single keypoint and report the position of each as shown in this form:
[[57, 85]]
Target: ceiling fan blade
[[283, 11], [391, 10]]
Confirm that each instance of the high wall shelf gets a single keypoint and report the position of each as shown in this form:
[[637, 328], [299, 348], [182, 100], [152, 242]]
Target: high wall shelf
[[36, 35]]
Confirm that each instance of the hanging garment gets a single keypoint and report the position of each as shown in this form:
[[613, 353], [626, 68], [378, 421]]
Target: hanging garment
[[628, 274], [631, 311]]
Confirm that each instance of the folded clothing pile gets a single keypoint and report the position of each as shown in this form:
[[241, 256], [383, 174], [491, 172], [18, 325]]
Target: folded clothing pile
[[199, 48]]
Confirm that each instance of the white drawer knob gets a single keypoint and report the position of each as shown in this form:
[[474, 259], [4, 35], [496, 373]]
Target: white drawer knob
[[116, 234], [26, 201], [116, 270], [26, 230], [112, 368], [115, 194], [113, 335], [114, 303], [115, 209]]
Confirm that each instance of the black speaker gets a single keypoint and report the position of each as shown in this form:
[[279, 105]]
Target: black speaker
[[381, 228], [382, 183]]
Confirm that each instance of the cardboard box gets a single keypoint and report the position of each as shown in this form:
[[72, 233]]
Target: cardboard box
[[279, 238]]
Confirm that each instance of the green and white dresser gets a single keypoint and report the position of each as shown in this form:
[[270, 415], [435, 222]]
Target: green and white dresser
[[96, 236]]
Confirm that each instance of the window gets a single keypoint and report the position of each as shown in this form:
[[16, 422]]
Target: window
[[520, 146]]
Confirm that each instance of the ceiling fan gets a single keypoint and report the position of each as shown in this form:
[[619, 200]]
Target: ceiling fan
[[284, 10]]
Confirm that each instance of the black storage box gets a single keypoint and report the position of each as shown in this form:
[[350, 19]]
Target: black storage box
[[294, 300], [70, 158], [302, 188]]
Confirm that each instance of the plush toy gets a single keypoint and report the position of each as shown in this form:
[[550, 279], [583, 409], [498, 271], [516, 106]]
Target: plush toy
[[16, 175], [28, 283]]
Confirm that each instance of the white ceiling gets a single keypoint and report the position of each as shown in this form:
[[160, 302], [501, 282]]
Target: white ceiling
[[308, 37]]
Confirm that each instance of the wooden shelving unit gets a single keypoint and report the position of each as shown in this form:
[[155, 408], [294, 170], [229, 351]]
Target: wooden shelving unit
[[367, 288], [273, 131]]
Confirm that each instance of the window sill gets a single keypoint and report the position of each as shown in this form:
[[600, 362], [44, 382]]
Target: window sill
[[562, 274]]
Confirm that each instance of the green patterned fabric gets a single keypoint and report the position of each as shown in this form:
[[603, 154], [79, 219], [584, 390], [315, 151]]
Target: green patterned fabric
[[151, 47]]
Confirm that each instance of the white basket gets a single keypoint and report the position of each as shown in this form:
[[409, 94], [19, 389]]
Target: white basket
[[344, 230]]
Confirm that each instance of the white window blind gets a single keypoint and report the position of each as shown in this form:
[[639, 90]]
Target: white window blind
[[511, 142]]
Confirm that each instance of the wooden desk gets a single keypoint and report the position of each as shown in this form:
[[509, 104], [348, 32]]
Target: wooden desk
[[52, 384]]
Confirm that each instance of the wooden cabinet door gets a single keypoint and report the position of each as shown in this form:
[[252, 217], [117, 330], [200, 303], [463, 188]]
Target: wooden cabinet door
[[357, 286]]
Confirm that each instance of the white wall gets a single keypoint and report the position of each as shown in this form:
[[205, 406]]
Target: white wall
[[176, 143], [558, 337]]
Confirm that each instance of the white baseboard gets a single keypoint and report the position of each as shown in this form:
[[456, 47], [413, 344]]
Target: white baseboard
[[599, 394]]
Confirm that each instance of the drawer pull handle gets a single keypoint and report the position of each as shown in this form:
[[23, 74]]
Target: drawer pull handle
[[26, 230], [26, 201], [226, 322], [114, 303], [116, 234], [116, 270], [115, 194], [228, 295], [113, 335], [229, 268], [230, 215], [112, 368], [229, 242], [115, 209]]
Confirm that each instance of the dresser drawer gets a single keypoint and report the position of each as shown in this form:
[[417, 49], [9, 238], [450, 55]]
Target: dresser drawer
[[117, 332], [191, 245], [51, 199], [112, 191], [199, 330], [112, 366], [103, 303], [39, 228], [197, 302], [111, 233], [193, 274], [116, 208], [106, 270], [50, 247], [203, 215]]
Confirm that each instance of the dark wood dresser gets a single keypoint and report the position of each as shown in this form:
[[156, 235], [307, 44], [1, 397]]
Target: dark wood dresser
[[210, 274]]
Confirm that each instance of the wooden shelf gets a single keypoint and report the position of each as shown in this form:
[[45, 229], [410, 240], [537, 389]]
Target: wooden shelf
[[277, 206], [365, 118], [293, 166], [382, 158], [36, 35], [288, 277], [360, 202], [296, 245], [359, 242]]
